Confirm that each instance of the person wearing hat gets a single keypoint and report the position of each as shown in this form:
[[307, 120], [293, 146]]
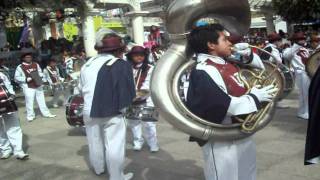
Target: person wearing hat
[[52, 75], [216, 94], [273, 47], [29, 76], [10, 129], [298, 55], [142, 71], [107, 86]]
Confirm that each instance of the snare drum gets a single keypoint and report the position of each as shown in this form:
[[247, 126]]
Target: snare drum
[[70, 84], [58, 87], [289, 80], [142, 112], [7, 105], [74, 110]]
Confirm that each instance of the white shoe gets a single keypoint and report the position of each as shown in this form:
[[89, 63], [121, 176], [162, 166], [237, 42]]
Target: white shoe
[[50, 116], [31, 119], [154, 148], [128, 176], [55, 105], [6, 155], [137, 147], [282, 105], [22, 156], [303, 116]]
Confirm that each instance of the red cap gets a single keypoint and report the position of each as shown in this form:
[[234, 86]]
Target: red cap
[[110, 44], [298, 36], [274, 37]]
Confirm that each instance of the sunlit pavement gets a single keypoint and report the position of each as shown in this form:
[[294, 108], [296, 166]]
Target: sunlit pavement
[[58, 151]]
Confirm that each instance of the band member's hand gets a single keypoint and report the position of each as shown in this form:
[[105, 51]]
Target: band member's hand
[[29, 79], [12, 96], [265, 94], [243, 49]]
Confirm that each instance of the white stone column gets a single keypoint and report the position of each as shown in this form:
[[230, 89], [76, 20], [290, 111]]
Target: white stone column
[[89, 35], [138, 30], [88, 31]]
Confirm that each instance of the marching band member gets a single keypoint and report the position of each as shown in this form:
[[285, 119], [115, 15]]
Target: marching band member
[[142, 71], [29, 76], [107, 85], [216, 94], [69, 67], [298, 55], [275, 42], [10, 130], [52, 76]]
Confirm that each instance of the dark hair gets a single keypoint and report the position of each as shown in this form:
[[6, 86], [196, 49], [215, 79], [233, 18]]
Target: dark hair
[[200, 36]]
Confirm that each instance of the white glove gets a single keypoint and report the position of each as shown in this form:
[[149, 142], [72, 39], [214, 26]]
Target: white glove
[[243, 49], [264, 94], [29, 79]]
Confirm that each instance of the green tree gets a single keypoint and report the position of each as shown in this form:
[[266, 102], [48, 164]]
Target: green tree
[[297, 11]]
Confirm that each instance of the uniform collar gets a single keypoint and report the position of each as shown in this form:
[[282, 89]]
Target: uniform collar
[[272, 45], [318, 47], [204, 57]]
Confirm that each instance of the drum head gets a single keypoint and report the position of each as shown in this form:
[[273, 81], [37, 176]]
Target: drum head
[[313, 63]]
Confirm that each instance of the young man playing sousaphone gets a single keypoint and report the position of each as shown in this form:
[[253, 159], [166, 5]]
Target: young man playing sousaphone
[[52, 76], [142, 72], [107, 85], [215, 94], [29, 76]]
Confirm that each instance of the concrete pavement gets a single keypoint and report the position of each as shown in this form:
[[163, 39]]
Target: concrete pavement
[[60, 152]]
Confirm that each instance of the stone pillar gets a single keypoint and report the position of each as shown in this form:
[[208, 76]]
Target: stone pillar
[[138, 30], [88, 31], [137, 22], [270, 24]]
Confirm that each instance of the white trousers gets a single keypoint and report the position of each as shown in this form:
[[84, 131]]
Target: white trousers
[[30, 95], [149, 132], [10, 133], [56, 96], [107, 139], [234, 160], [303, 83]]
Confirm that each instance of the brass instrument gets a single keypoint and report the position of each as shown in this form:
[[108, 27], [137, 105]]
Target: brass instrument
[[313, 63], [234, 15]]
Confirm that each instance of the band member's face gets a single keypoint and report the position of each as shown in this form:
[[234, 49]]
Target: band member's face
[[278, 44], [222, 48], [53, 64], [138, 58], [27, 58]]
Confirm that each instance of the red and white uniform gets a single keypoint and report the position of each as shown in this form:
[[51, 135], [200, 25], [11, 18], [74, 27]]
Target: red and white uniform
[[10, 130], [30, 89], [142, 80], [298, 57], [237, 157], [52, 76]]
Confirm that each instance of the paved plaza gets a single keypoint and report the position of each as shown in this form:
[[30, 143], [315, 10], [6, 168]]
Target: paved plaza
[[59, 152]]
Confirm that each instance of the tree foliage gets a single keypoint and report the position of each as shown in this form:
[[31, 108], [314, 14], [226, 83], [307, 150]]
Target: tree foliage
[[297, 11]]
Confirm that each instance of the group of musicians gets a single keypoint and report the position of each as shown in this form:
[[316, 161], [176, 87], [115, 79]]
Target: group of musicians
[[109, 81]]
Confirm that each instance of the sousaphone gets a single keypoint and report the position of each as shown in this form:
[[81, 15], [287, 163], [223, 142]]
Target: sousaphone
[[235, 16]]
